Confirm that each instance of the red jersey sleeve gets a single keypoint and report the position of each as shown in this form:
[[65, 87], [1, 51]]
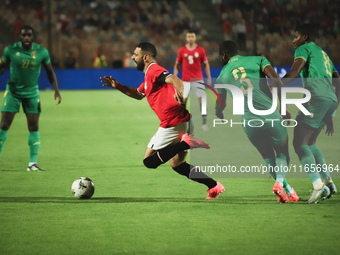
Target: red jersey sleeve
[[141, 89]]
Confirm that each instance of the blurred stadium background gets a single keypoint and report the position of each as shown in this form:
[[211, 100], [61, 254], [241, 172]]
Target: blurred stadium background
[[117, 26]]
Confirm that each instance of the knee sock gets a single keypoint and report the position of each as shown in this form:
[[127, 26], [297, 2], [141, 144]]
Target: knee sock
[[3, 137], [281, 165], [194, 174], [308, 163], [34, 144], [165, 154], [321, 162], [270, 164]]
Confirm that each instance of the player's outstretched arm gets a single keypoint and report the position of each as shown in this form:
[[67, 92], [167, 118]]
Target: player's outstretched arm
[[330, 126], [295, 70], [109, 81], [53, 80], [207, 71], [3, 66]]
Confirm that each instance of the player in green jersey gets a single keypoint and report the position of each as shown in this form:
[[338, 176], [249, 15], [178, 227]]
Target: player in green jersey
[[318, 76], [270, 139], [24, 59]]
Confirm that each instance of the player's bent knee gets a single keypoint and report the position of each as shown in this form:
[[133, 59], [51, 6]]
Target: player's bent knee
[[150, 162]]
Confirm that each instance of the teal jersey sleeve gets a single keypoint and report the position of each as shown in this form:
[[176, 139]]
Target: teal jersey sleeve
[[264, 62], [302, 52]]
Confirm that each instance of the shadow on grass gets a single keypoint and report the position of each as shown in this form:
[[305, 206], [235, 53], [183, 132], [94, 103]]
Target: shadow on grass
[[107, 200], [10, 170], [66, 200]]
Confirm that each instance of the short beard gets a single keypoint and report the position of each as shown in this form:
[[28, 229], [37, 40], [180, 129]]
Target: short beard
[[140, 66]]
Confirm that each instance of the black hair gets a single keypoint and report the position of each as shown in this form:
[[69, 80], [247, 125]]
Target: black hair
[[308, 30], [228, 47], [148, 48], [27, 27]]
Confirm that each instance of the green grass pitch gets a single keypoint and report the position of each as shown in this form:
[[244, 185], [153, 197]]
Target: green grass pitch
[[135, 210]]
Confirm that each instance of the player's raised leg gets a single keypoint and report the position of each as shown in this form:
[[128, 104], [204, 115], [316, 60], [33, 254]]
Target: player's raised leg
[[193, 173], [154, 158]]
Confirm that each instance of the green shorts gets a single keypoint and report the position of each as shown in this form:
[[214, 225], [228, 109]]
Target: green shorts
[[12, 104], [271, 133], [321, 109]]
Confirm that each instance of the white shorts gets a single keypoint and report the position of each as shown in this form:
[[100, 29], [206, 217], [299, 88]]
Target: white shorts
[[171, 135], [196, 86]]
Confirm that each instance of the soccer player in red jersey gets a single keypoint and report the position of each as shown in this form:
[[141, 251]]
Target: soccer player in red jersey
[[164, 93], [191, 56]]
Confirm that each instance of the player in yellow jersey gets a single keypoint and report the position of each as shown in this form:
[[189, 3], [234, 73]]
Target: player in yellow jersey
[[24, 59], [319, 76], [270, 139]]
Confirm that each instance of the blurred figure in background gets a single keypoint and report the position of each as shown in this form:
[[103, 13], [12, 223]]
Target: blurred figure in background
[[128, 62], [69, 61], [100, 60]]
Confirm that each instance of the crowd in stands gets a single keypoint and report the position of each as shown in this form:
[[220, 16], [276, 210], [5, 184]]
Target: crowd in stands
[[273, 22], [81, 27]]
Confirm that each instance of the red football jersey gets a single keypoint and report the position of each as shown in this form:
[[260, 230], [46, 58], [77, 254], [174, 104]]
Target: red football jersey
[[161, 97], [191, 60]]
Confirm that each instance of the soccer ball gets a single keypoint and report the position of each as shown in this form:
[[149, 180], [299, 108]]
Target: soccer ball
[[83, 188]]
